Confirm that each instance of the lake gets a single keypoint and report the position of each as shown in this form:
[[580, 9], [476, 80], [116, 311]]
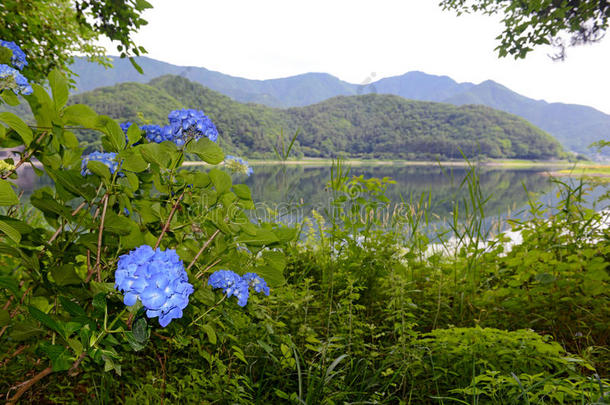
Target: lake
[[293, 191]]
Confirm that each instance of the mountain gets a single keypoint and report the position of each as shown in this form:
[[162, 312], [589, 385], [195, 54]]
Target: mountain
[[292, 91], [368, 126], [575, 126]]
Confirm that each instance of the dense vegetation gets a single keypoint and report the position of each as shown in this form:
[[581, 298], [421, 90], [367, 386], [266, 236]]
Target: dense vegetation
[[575, 126], [380, 126], [363, 308]]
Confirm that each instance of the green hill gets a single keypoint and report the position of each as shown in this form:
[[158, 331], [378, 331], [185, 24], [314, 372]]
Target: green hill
[[575, 126], [367, 126]]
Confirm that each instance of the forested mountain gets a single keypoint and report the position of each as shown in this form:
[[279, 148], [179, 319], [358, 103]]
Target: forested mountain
[[372, 125], [575, 126]]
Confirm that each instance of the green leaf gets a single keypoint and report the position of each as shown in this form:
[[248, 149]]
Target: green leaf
[[45, 319], [99, 168], [242, 191], [10, 98], [140, 331], [134, 134], [272, 276], [80, 114], [5, 317], [72, 307], [221, 181], [206, 150], [159, 153], [73, 182], [59, 355], [65, 275], [42, 106], [209, 331], [25, 330], [17, 124], [10, 232], [118, 224], [132, 160], [133, 342], [10, 284], [261, 238], [113, 131], [59, 88], [7, 194]]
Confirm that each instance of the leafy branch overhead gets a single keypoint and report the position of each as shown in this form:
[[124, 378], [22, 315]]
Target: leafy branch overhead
[[51, 32], [528, 24]]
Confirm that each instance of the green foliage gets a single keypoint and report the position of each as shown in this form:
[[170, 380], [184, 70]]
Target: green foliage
[[370, 126], [57, 280], [531, 24], [50, 32]]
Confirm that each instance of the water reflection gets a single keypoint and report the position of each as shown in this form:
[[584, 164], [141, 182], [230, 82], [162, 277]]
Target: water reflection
[[292, 192]]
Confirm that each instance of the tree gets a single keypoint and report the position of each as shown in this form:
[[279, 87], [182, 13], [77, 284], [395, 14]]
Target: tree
[[527, 24], [51, 32]]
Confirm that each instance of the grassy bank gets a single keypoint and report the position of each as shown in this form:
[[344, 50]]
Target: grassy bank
[[368, 315]]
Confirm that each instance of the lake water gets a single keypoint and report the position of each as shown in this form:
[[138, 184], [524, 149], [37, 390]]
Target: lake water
[[293, 191]]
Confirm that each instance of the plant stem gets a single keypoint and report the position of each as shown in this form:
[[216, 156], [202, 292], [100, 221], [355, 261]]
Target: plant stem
[[99, 239], [205, 245], [169, 219], [24, 158]]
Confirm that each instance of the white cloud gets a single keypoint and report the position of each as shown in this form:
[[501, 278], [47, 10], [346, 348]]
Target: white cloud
[[351, 39]]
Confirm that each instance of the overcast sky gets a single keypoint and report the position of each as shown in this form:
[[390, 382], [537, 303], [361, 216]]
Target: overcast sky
[[355, 40]]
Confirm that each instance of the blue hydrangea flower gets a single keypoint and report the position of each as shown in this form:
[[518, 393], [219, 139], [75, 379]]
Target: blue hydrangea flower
[[109, 159], [154, 133], [125, 126], [156, 278], [256, 282], [232, 284], [18, 58], [187, 124], [238, 165], [12, 79]]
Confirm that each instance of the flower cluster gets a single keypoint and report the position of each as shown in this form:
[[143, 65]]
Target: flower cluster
[[109, 159], [257, 283], [125, 126], [156, 278], [238, 165], [235, 285], [18, 58], [155, 133], [189, 124], [11, 79]]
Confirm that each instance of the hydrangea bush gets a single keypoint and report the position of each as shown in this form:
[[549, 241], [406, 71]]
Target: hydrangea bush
[[125, 234]]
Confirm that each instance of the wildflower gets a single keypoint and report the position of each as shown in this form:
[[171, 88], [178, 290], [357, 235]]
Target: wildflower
[[156, 278], [109, 159], [189, 124], [10, 78], [232, 284], [18, 58], [257, 283], [238, 165]]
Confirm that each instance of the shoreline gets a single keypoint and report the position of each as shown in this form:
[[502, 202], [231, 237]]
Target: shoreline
[[524, 164]]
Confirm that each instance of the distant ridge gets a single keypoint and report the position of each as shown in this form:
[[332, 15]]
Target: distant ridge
[[575, 126], [367, 126]]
